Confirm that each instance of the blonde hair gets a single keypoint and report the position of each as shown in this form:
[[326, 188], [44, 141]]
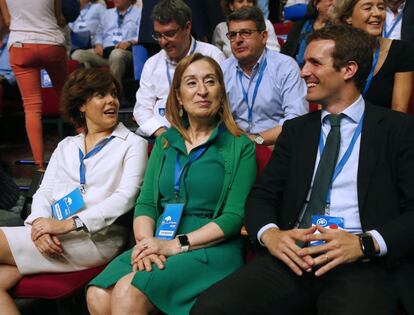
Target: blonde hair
[[173, 106], [342, 9]]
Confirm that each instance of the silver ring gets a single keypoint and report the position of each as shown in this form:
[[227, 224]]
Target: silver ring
[[49, 242], [327, 258]]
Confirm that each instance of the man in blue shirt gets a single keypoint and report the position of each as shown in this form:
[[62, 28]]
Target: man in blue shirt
[[264, 87], [361, 264], [116, 33]]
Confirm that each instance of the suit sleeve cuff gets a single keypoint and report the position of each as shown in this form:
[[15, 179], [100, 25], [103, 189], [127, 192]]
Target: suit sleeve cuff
[[264, 229], [380, 240]]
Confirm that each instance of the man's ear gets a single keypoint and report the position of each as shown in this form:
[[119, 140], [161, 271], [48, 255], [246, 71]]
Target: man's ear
[[350, 70], [265, 36], [187, 27]]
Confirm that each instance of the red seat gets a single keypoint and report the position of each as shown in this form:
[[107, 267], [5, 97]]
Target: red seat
[[54, 285], [50, 100], [263, 154], [282, 30]]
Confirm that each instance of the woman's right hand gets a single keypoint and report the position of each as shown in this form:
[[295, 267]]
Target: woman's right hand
[[48, 245], [146, 262]]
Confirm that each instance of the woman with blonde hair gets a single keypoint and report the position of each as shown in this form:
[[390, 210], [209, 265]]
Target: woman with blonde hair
[[191, 207], [391, 79]]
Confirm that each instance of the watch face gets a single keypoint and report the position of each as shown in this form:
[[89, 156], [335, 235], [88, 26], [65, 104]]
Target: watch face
[[78, 223], [259, 140], [183, 239]]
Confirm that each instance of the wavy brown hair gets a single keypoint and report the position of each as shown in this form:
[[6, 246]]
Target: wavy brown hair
[[81, 86], [173, 106]]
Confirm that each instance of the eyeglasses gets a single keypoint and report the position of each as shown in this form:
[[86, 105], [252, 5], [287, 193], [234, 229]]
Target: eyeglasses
[[244, 33], [166, 35]]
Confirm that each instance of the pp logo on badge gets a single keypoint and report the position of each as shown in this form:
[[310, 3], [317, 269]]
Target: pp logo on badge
[[321, 222]]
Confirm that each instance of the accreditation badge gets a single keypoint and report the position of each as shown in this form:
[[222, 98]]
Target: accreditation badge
[[117, 37], [68, 205], [170, 221], [327, 222]]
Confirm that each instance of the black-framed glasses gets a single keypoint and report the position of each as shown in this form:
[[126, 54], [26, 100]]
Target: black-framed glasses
[[244, 33], [166, 35]]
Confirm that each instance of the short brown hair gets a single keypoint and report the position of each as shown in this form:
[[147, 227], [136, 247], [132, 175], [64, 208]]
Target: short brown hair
[[81, 85], [351, 44], [248, 14], [173, 106]]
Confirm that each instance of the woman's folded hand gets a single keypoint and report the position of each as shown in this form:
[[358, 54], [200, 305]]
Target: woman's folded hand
[[146, 262], [151, 245], [48, 245], [43, 226]]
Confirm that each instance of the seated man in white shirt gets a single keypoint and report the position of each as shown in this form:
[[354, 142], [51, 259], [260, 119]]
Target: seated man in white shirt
[[264, 87], [172, 27], [116, 33]]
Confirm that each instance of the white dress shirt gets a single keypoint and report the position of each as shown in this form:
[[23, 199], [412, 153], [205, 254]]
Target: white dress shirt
[[149, 110]]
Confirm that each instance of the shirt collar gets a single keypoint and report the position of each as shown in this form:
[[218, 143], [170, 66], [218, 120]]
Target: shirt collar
[[257, 65], [174, 63], [120, 132], [354, 111]]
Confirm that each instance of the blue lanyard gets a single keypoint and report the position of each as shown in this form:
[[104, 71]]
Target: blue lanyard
[[393, 25], [256, 88], [179, 170], [166, 62], [85, 11], [124, 16], [371, 73], [95, 150], [345, 158], [306, 29]]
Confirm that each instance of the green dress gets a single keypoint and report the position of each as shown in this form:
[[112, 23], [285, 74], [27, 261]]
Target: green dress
[[174, 289]]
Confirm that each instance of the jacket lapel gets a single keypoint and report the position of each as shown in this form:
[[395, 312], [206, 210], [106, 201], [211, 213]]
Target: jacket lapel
[[371, 138]]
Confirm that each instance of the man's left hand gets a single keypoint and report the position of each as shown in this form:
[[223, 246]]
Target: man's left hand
[[340, 248]]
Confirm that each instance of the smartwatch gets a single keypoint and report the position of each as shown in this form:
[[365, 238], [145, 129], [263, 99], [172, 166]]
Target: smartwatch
[[258, 139], [77, 223], [367, 246], [184, 243]]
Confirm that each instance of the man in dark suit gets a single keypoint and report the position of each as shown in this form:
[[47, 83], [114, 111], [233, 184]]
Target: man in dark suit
[[363, 267]]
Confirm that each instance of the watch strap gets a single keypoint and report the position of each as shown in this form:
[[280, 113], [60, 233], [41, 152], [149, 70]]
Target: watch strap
[[367, 246]]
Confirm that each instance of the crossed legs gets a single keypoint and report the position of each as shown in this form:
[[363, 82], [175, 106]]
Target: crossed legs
[[123, 298], [9, 276]]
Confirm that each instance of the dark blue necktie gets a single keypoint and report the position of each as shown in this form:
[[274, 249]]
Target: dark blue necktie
[[324, 172]]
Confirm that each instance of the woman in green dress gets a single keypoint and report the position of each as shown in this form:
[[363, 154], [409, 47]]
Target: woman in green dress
[[204, 165]]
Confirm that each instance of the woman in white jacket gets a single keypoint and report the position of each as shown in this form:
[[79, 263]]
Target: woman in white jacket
[[91, 180]]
